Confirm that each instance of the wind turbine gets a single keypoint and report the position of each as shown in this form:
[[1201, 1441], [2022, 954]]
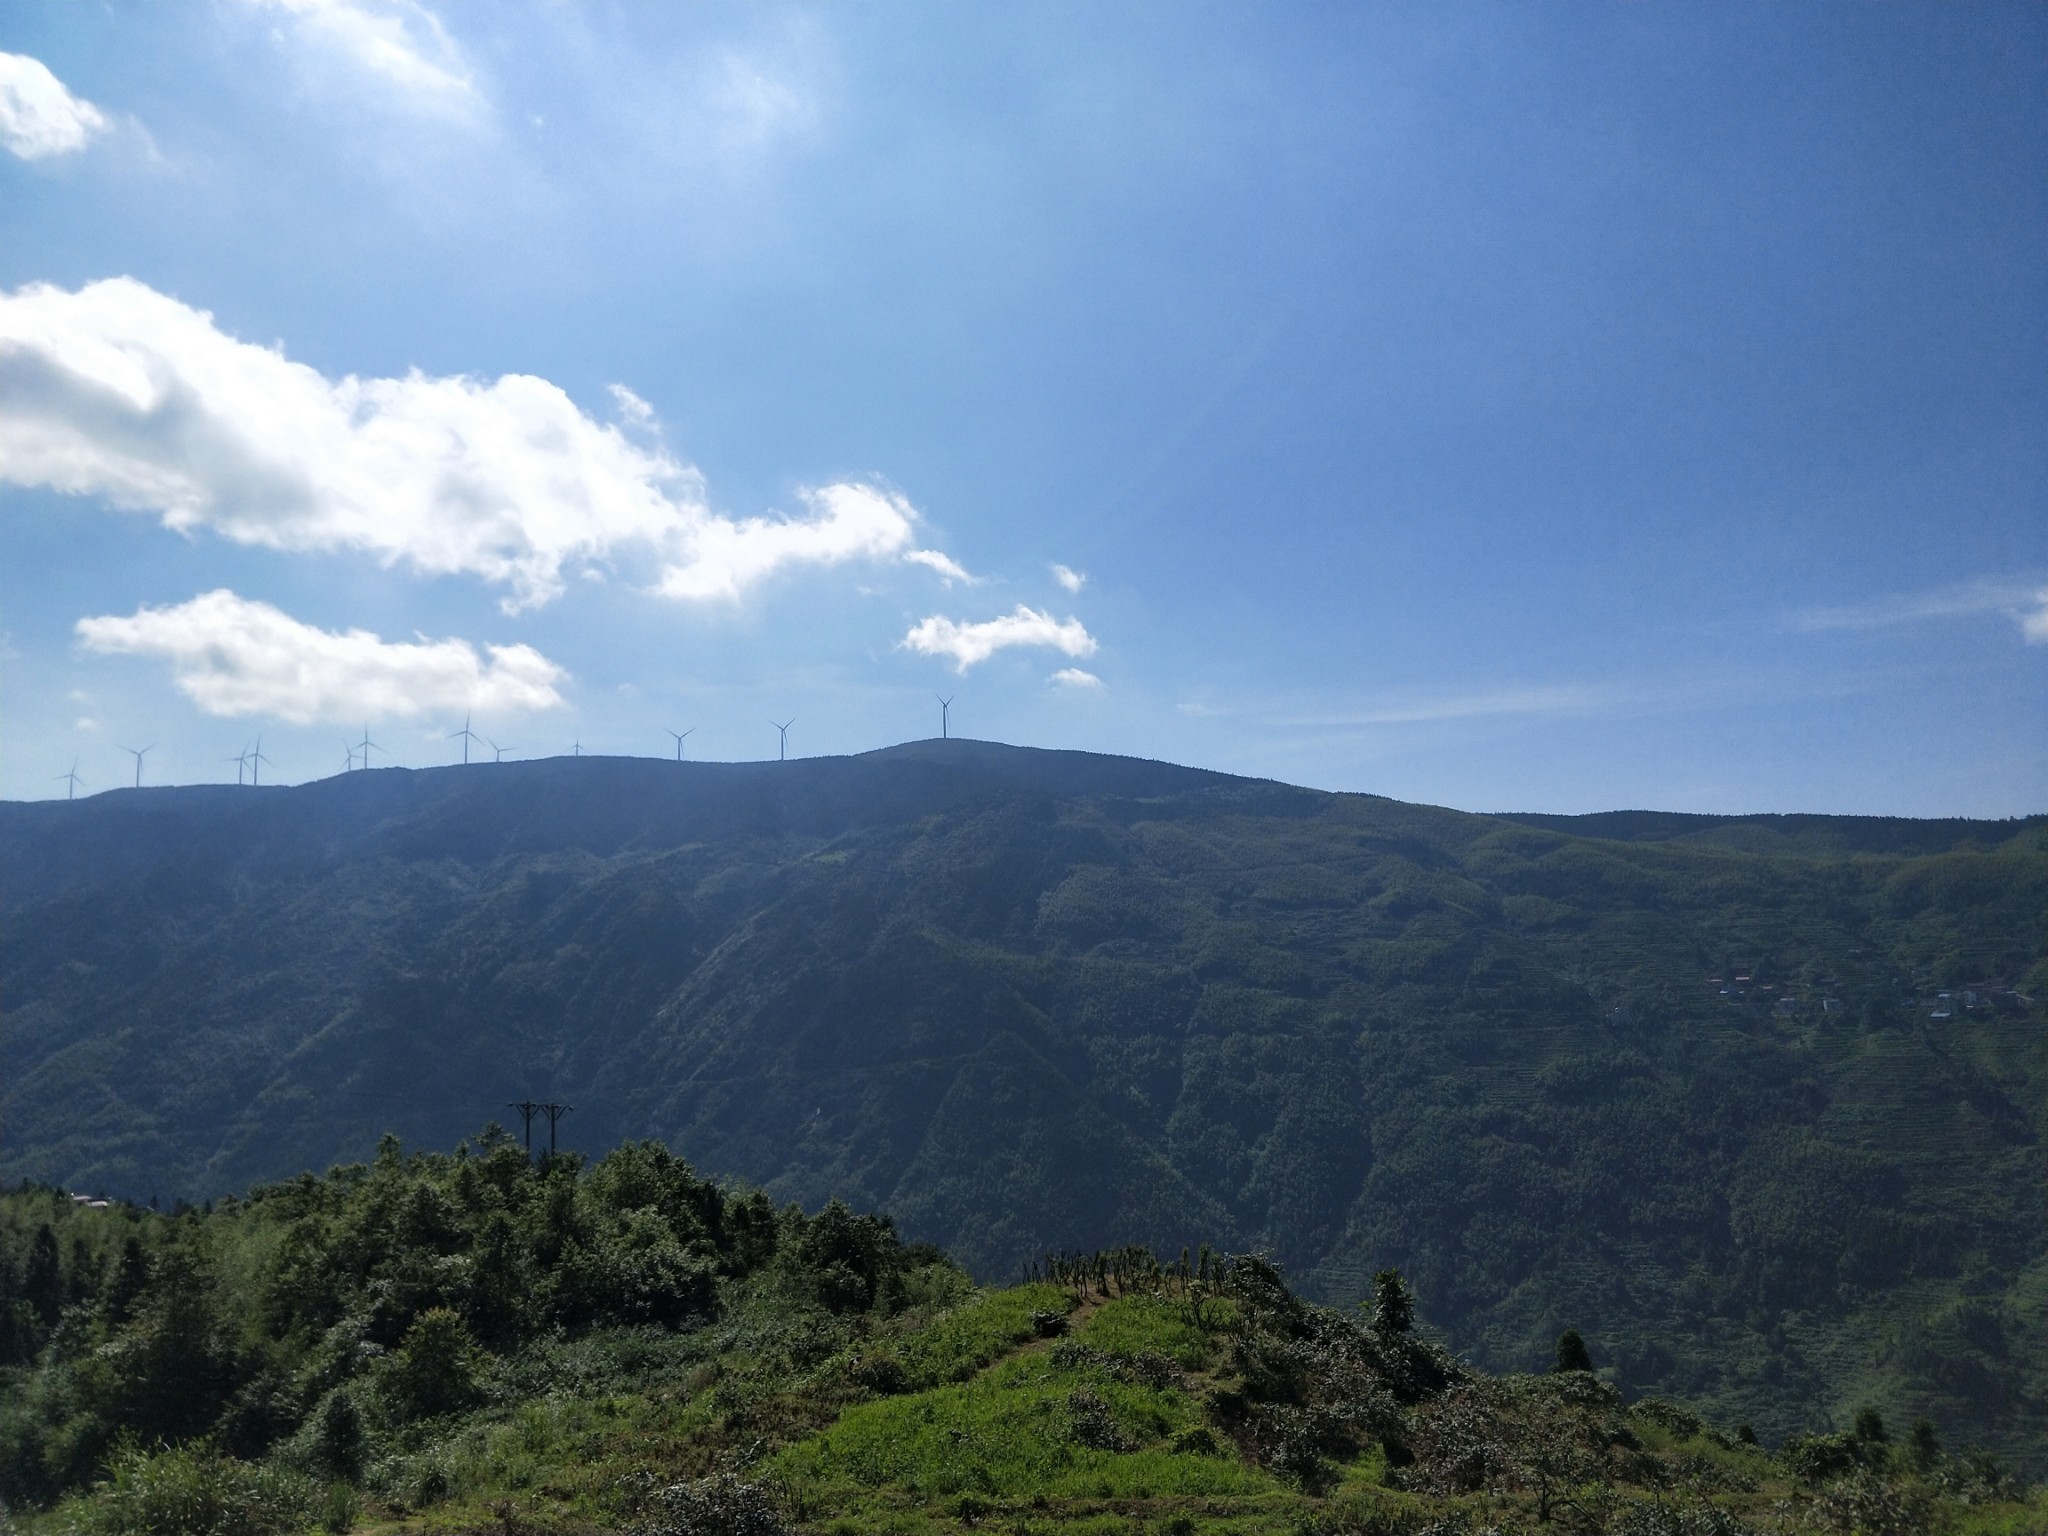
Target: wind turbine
[[679, 735], [241, 762], [465, 733], [782, 752], [348, 762], [71, 778], [945, 716], [501, 751], [138, 756], [577, 750], [256, 762], [366, 744]]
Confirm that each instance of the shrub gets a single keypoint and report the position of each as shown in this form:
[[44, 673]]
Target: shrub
[[720, 1505], [193, 1490]]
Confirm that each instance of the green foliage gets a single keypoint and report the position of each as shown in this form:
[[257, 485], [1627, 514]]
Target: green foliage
[[434, 1370], [1177, 1398], [322, 1317], [1572, 1354], [194, 1490]]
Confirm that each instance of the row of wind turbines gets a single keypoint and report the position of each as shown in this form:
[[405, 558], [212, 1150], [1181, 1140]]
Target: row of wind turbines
[[250, 760]]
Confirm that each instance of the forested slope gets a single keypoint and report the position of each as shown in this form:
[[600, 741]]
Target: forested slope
[[434, 1343], [1025, 1000]]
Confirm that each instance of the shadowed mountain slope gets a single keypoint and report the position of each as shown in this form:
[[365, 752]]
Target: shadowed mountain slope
[[1030, 999]]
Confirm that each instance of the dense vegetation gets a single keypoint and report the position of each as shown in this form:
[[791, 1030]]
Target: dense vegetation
[[1687, 1085], [471, 1341]]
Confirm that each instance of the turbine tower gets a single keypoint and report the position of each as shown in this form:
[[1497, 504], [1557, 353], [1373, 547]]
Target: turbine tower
[[465, 733], [945, 717], [138, 755], [366, 745], [501, 751], [256, 762], [71, 779], [241, 762], [348, 761], [679, 735], [782, 730]]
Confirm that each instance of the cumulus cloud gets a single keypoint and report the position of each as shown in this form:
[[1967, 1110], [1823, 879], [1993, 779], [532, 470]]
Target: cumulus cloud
[[120, 392], [1074, 677], [38, 116], [967, 644], [847, 522], [400, 42], [1070, 578], [231, 656]]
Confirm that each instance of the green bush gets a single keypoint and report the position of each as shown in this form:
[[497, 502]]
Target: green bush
[[434, 1370], [193, 1490]]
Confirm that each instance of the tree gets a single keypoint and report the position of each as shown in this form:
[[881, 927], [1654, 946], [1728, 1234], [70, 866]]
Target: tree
[[1923, 1446], [434, 1370], [1572, 1354], [1393, 1309], [42, 1281], [131, 1275], [338, 1437]]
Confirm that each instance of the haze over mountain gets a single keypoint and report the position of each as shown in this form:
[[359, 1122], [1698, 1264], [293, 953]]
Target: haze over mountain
[[1688, 1084]]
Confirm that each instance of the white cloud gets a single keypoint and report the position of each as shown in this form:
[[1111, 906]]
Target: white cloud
[[38, 116], [1552, 700], [848, 522], [631, 407], [967, 644], [1074, 677], [2034, 625], [1070, 578], [121, 392], [755, 108], [2025, 602], [231, 656], [947, 567], [400, 42]]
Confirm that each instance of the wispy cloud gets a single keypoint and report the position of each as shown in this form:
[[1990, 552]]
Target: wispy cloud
[[2024, 601], [1069, 578], [968, 644], [120, 392], [1563, 699], [1074, 677], [38, 116], [400, 43], [232, 656], [949, 569]]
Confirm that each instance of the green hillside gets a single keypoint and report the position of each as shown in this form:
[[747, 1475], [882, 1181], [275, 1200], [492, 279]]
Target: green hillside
[[1027, 1001], [473, 1342]]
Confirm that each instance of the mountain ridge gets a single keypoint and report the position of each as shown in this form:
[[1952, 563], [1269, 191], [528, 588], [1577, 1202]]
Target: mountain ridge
[[1026, 999]]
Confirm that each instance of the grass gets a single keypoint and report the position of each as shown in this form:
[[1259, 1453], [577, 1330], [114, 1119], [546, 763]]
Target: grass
[[978, 1333]]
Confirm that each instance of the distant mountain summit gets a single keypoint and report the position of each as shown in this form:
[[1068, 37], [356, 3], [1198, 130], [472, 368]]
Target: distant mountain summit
[[1687, 1084]]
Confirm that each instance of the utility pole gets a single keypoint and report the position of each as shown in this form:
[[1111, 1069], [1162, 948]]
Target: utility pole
[[527, 1110], [554, 1112]]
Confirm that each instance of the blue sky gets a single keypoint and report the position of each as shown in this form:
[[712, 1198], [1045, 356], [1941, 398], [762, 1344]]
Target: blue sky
[[1529, 407]]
